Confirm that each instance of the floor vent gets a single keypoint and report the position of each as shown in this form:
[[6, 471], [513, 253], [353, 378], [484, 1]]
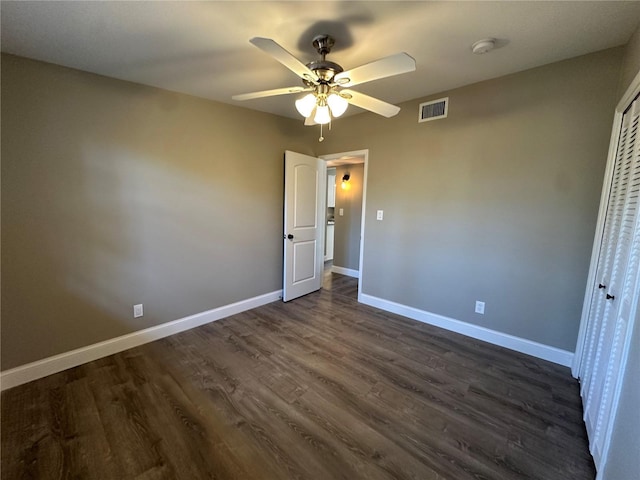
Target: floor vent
[[433, 110]]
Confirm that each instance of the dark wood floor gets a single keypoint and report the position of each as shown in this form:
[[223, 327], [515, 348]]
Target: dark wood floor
[[318, 388]]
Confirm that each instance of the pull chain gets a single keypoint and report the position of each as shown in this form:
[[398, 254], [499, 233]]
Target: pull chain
[[321, 137]]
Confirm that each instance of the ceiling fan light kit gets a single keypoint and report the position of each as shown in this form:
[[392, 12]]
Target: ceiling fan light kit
[[338, 104], [325, 81], [322, 115], [306, 104]]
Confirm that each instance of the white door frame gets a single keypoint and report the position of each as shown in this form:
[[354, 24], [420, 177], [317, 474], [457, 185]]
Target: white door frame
[[365, 155], [625, 101]]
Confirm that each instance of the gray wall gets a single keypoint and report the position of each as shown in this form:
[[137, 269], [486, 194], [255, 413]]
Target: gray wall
[[498, 202], [347, 229], [115, 193], [624, 459], [631, 63]]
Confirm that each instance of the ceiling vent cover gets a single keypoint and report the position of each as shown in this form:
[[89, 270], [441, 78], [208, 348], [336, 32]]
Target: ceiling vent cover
[[433, 110]]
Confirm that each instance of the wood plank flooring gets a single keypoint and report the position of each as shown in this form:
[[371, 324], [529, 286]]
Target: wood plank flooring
[[318, 388]]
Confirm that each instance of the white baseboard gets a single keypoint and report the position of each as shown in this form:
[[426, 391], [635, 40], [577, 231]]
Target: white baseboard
[[345, 271], [47, 366], [535, 349]]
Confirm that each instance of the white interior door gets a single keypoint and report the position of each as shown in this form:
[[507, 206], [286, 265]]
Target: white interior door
[[601, 308], [616, 291], [304, 199]]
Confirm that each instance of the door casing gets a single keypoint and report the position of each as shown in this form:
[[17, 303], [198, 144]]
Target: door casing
[[364, 154]]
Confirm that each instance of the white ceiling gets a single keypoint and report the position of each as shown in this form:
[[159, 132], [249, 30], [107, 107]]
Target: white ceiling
[[203, 49]]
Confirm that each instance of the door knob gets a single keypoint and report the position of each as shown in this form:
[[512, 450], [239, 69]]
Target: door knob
[[290, 237], [611, 297], [601, 286]]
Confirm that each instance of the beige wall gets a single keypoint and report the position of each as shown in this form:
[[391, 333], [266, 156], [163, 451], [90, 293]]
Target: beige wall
[[497, 203], [115, 193], [346, 252], [630, 62]]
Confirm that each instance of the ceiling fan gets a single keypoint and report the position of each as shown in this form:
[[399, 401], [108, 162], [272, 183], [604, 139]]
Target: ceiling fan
[[327, 82]]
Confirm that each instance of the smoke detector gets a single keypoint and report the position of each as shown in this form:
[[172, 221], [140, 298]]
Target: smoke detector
[[483, 46]]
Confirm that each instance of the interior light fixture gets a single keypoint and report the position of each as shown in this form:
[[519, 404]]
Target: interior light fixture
[[322, 115], [337, 104], [322, 105], [327, 93], [345, 181], [306, 104]]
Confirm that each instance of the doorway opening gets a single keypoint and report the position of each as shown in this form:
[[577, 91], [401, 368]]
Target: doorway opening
[[345, 221]]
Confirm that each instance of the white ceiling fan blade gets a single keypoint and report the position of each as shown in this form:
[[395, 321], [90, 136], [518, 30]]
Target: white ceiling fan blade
[[369, 103], [385, 67], [284, 57], [270, 93]]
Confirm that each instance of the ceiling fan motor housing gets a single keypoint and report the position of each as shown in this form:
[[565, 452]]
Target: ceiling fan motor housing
[[324, 69], [323, 43]]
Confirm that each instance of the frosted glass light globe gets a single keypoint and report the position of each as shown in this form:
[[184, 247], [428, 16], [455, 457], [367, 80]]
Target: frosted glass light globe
[[322, 115], [306, 104], [337, 104]]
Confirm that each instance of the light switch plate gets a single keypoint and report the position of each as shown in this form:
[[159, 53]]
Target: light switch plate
[[341, 212]]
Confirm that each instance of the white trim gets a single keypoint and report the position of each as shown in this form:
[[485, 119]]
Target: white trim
[[346, 271], [535, 349], [365, 155], [364, 216], [57, 363], [625, 101]]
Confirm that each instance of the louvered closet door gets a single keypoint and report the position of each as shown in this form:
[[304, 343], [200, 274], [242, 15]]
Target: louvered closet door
[[617, 278], [605, 263]]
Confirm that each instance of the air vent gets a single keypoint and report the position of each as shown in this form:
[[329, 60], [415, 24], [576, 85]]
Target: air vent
[[433, 110]]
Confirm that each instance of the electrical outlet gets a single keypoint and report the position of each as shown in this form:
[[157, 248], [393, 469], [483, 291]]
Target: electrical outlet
[[379, 215], [137, 310], [479, 307]]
